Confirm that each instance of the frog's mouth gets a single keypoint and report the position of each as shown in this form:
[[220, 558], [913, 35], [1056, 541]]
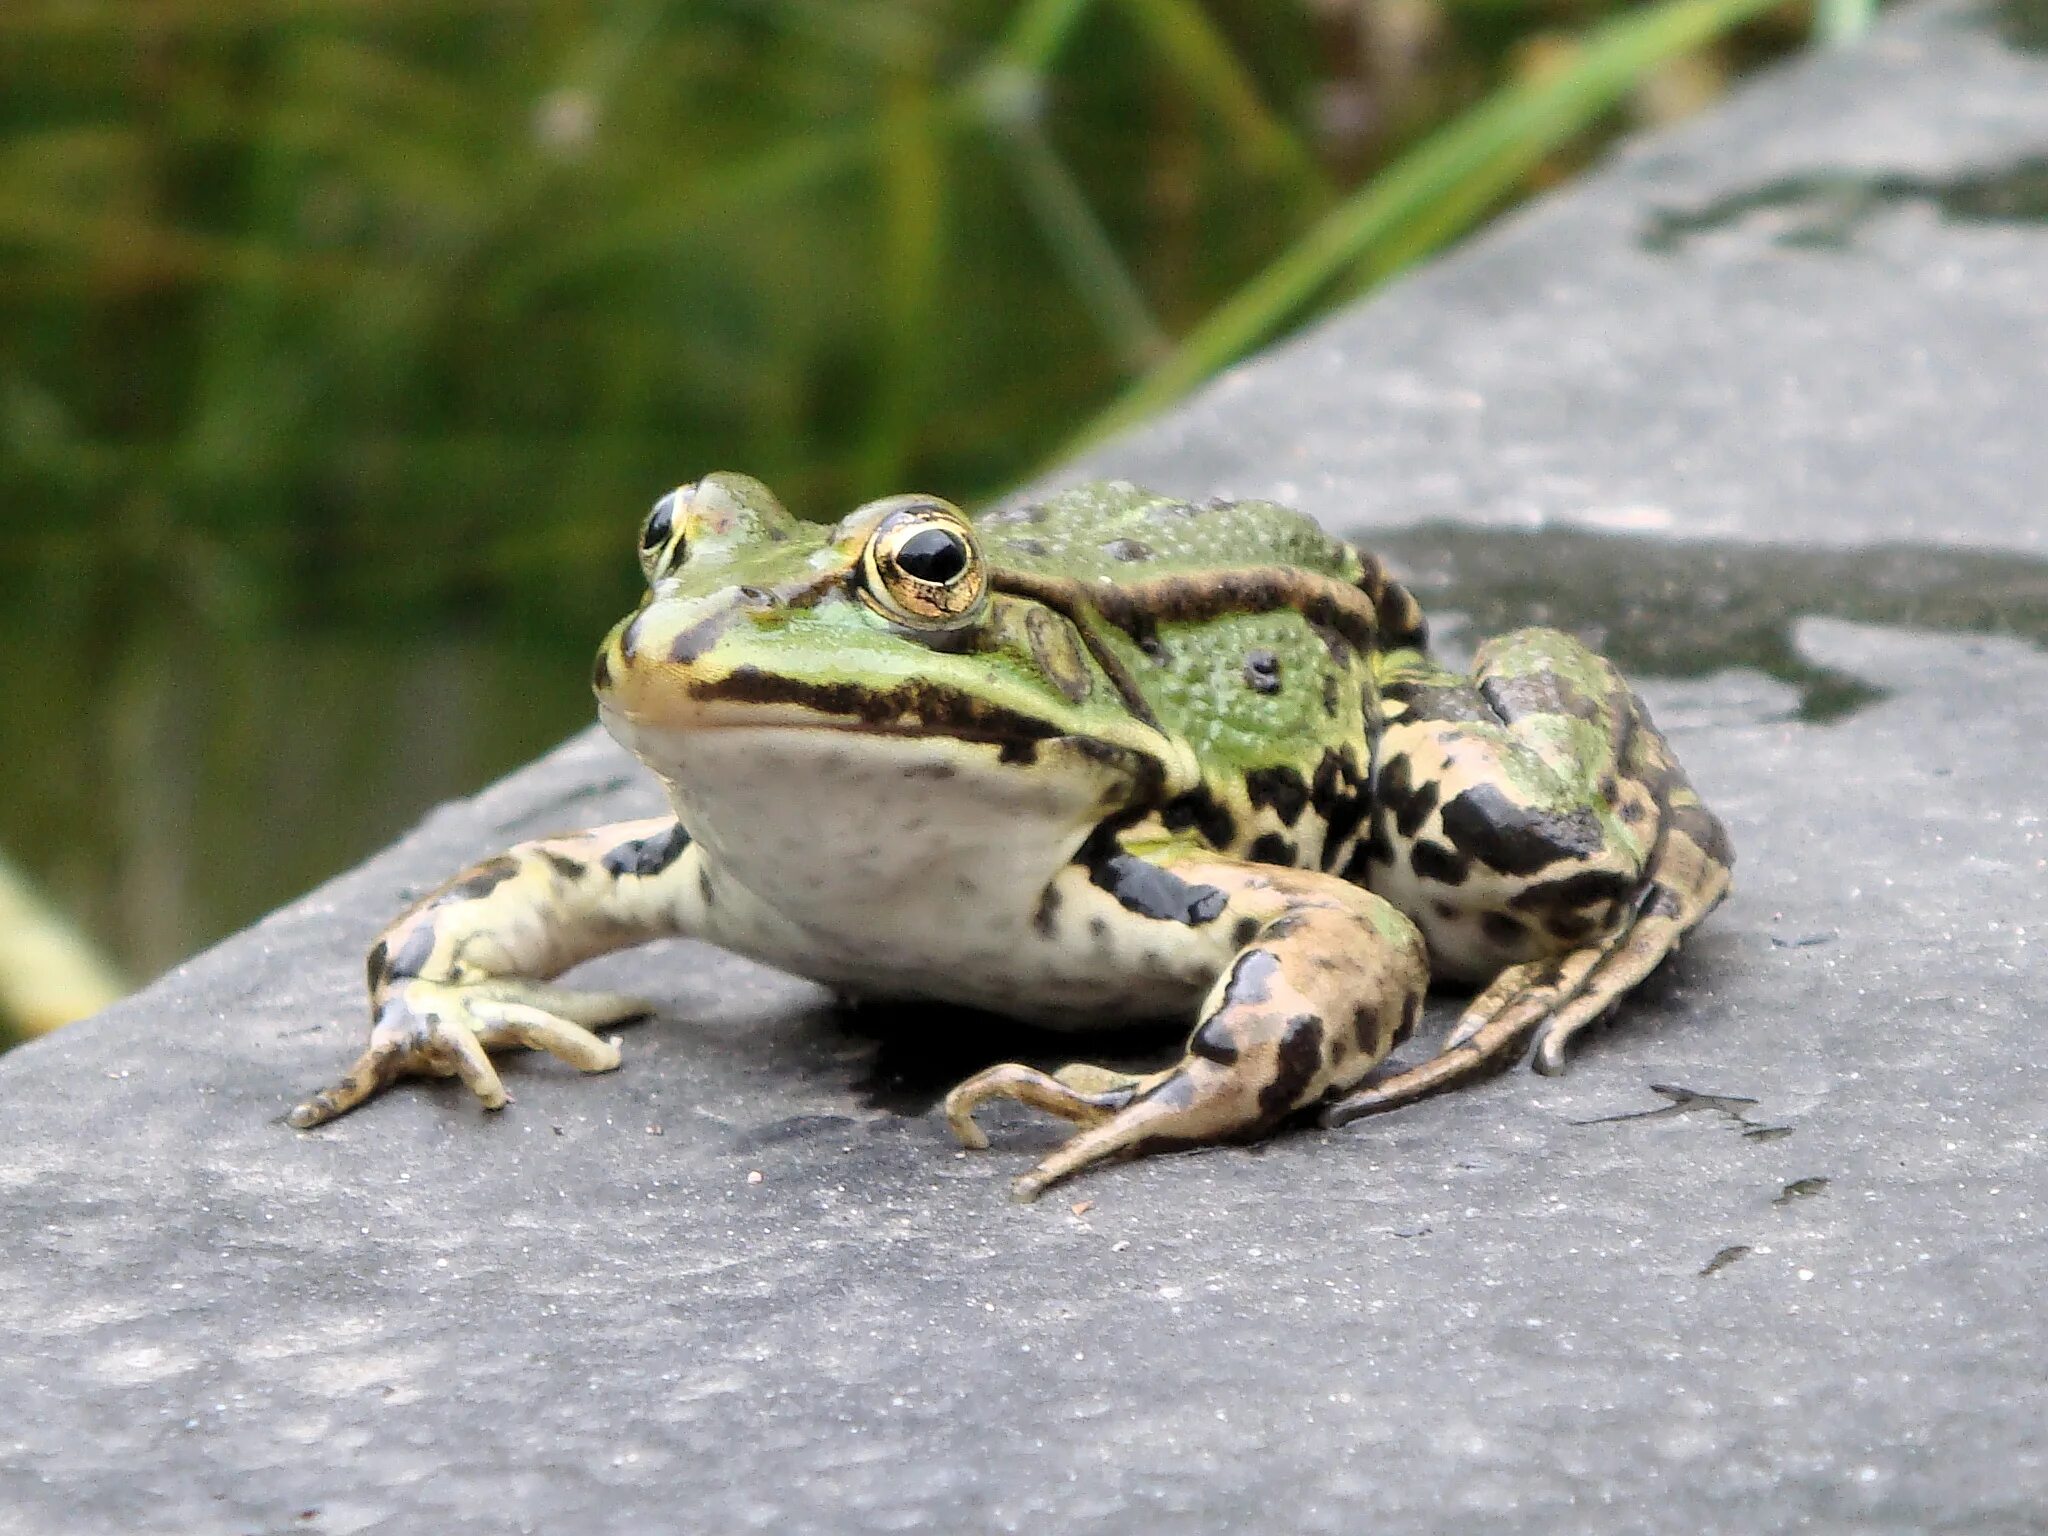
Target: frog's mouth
[[901, 717]]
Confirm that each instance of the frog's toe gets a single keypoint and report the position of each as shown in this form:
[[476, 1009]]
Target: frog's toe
[[455, 1050], [417, 1034], [374, 1070], [553, 1019], [1071, 1101], [1691, 882], [591, 1010], [436, 1029], [518, 1024]]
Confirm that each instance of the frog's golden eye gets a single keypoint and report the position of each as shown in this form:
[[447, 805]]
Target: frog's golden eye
[[655, 533], [923, 569]]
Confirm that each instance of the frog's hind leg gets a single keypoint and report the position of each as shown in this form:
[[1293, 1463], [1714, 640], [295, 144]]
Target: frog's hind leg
[[1328, 979], [1592, 860], [1688, 877]]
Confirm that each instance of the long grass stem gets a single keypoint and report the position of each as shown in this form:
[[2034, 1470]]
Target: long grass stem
[[1431, 194]]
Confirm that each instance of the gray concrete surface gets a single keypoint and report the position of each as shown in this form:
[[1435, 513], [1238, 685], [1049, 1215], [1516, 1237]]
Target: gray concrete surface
[[1533, 1306]]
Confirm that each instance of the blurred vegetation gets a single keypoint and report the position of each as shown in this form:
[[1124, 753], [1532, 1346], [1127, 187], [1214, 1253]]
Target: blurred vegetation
[[343, 341]]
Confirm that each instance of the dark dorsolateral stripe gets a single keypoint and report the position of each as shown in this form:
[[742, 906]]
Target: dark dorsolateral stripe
[[1138, 607]]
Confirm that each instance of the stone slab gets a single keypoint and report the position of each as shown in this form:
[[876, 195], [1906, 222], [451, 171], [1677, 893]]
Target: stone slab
[[1507, 1308]]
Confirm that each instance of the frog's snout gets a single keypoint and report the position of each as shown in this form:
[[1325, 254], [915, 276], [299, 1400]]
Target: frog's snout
[[653, 648]]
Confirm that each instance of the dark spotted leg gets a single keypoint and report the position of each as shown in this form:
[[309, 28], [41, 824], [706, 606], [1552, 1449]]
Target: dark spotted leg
[[1585, 883], [464, 971], [1518, 1004], [1689, 877], [1329, 980]]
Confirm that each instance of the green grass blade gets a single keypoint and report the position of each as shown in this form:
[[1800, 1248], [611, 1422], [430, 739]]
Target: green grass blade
[[1083, 248], [1036, 34], [1432, 193]]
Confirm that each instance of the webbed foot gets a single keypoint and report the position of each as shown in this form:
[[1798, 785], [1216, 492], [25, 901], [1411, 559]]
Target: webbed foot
[[448, 1029]]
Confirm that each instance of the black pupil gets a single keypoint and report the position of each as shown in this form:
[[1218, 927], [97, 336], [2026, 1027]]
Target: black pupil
[[932, 554], [659, 521]]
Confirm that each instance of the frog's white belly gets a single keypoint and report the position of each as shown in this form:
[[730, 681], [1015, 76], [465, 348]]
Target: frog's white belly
[[916, 867]]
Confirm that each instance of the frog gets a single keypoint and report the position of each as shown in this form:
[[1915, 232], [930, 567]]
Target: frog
[[1097, 759]]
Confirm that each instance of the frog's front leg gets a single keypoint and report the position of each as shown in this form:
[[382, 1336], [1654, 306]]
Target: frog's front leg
[[1537, 826], [1328, 979], [465, 970]]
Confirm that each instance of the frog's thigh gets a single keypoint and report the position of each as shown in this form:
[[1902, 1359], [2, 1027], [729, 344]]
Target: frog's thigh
[[1505, 825], [1328, 980], [1540, 828]]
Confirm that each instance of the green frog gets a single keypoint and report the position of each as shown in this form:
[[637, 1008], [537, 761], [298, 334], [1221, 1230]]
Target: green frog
[[1108, 757]]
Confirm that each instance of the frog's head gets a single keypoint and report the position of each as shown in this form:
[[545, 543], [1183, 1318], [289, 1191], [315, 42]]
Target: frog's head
[[800, 673]]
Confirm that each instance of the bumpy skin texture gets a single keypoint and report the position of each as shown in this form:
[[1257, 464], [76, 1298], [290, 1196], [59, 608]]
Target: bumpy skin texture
[[1108, 757]]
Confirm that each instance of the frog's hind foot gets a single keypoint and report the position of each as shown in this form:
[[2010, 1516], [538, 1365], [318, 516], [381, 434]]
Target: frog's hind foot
[[1553, 999], [1198, 1102], [1330, 979]]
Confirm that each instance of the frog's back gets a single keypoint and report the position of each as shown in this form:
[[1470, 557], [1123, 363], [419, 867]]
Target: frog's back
[[1115, 530], [1251, 635]]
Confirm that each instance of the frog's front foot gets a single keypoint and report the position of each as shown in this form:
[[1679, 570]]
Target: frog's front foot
[[447, 1029]]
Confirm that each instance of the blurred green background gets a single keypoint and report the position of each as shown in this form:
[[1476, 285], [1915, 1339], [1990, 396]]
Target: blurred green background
[[343, 342]]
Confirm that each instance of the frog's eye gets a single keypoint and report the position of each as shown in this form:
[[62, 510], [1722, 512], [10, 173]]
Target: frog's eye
[[922, 568], [658, 530]]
